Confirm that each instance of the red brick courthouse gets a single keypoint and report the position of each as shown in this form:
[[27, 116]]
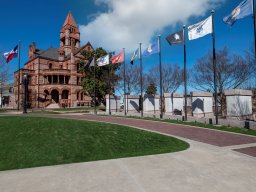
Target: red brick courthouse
[[55, 80]]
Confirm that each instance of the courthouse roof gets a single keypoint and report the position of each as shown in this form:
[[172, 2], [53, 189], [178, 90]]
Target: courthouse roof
[[51, 53]]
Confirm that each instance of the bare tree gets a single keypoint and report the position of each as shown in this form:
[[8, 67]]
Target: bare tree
[[4, 75], [232, 72], [172, 77], [4, 70], [250, 59], [132, 79]]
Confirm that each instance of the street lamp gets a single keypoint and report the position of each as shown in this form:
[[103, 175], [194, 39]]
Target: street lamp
[[25, 83]]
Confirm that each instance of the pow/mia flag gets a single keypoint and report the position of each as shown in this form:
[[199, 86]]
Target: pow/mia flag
[[175, 38]]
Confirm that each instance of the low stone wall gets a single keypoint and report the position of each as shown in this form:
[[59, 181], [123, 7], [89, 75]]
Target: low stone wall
[[114, 103], [173, 103], [132, 103], [207, 120], [238, 102], [202, 103], [151, 103]]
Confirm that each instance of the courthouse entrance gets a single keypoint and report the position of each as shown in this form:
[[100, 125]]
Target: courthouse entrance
[[55, 96]]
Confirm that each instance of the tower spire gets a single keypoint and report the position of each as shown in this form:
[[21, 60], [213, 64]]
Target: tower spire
[[70, 20], [69, 35]]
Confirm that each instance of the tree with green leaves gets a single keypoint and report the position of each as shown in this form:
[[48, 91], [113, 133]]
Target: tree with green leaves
[[151, 90], [104, 75]]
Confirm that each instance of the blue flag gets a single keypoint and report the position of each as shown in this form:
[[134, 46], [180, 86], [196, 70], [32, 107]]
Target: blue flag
[[151, 49], [244, 9]]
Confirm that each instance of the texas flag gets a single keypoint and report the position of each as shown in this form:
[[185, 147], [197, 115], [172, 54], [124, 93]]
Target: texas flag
[[118, 58], [12, 54]]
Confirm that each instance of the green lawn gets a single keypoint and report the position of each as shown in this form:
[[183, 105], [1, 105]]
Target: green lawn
[[202, 125], [34, 141]]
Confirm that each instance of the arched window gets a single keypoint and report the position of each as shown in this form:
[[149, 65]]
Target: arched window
[[50, 66]]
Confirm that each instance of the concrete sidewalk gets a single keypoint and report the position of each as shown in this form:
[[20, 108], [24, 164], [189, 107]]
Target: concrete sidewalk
[[201, 168]]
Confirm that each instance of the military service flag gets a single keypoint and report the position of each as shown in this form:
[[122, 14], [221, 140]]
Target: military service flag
[[135, 55], [90, 63], [102, 61], [151, 49], [200, 29], [118, 58]]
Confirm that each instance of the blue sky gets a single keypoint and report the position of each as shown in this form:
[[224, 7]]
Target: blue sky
[[41, 21]]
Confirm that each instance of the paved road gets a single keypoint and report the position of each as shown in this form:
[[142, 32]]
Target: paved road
[[210, 164]]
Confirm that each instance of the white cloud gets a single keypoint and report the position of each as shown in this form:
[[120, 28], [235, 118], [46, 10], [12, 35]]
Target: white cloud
[[128, 22]]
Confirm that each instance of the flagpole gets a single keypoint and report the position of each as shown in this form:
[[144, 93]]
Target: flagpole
[[141, 83], [161, 80], [94, 76], [214, 69], [125, 97], [185, 73], [254, 24], [109, 111], [19, 76]]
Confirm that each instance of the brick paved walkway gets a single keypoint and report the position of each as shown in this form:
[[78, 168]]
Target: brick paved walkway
[[208, 136], [248, 151]]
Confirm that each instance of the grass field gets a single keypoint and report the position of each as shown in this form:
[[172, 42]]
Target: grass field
[[33, 141]]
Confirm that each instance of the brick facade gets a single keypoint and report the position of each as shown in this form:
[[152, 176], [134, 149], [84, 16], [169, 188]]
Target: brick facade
[[54, 76]]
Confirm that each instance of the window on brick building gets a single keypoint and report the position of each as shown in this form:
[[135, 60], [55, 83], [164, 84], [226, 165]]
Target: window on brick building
[[50, 66], [77, 67]]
